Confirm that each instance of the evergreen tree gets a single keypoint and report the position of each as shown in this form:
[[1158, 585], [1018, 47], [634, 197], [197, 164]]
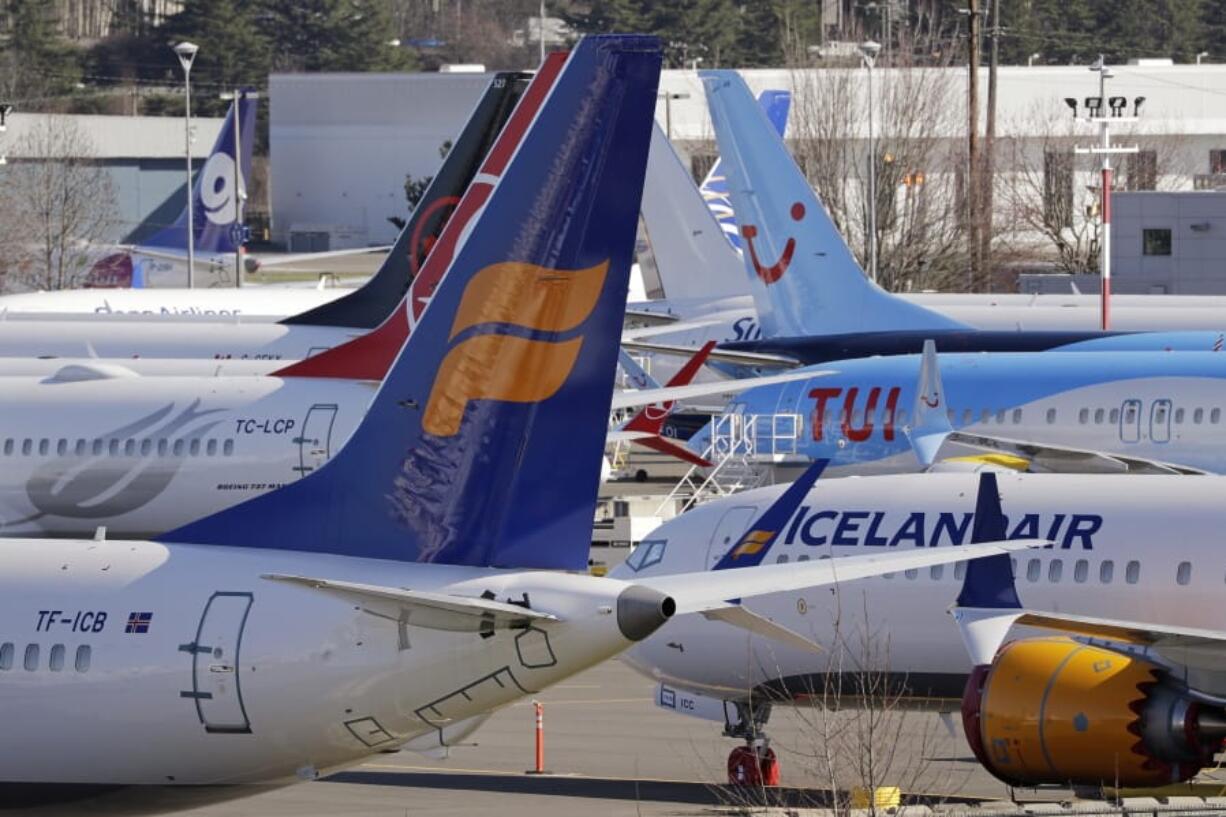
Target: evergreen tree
[[233, 53], [37, 64], [333, 35]]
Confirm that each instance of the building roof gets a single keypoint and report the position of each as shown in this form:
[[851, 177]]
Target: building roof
[[118, 137]]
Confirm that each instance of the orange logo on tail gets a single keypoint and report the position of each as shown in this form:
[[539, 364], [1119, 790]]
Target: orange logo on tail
[[752, 542], [507, 367]]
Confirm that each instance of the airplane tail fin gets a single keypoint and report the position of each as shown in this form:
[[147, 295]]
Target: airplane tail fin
[[804, 279], [714, 188], [650, 419], [484, 443], [930, 420], [372, 303], [216, 200]]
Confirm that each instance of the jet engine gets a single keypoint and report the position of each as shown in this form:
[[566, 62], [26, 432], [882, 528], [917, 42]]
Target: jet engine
[[1052, 710]]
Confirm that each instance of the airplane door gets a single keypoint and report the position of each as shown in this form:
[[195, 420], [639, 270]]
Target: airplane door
[[216, 672], [1160, 421], [732, 525], [315, 442], [1130, 421]]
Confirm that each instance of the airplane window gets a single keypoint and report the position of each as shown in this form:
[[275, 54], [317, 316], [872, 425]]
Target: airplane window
[[1105, 571], [1198, 415], [1130, 413], [1215, 415], [782, 560], [61, 448], [1083, 416], [1000, 416], [6, 655], [1033, 570], [162, 444], [44, 445], [967, 417], [1183, 574], [1054, 570], [26, 447], [1017, 416], [1051, 416], [1114, 416], [113, 447], [984, 415], [803, 557], [935, 572], [959, 570], [178, 448], [911, 574], [80, 447], [1132, 572], [56, 661], [1179, 415], [83, 658], [1080, 570], [228, 448], [194, 448], [887, 575], [8, 446], [97, 448], [146, 445], [31, 659], [211, 448], [648, 553], [953, 415], [1160, 414], [1099, 415], [129, 447]]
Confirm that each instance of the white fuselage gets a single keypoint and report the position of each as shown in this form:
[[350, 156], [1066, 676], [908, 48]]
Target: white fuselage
[[231, 678], [1141, 548], [143, 455], [250, 303]]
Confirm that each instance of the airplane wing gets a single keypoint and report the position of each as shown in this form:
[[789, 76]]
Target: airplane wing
[[438, 611], [758, 359], [1062, 459], [635, 333], [647, 318], [645, 397]]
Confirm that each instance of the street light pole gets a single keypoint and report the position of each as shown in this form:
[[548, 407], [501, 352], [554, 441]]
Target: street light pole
[[868, 52], [540, 30], [186, 52]]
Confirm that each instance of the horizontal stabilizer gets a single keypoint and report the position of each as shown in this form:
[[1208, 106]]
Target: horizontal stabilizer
[[437, 611], [754, 359]]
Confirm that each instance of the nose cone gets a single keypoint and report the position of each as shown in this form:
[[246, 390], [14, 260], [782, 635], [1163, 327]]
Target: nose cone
[[641, 611]]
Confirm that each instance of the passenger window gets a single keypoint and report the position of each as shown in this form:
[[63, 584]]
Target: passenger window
[[1099, 415], [44, 445], [911, 574], [146, 445], [1000, 416], [1080, 571], [782, 560], [113, 448], [8, 446], [56, 661], [1083, 416], [1033, 570], [1215, 415], [1114, 416], [97, 448], [1051, 416], [1130, 413], [84, 654], [1132, 573], [6, 655], [804, 557], [1183, 574], [959, 570], [887, 575], [1054, 570], [193, 448], [1179, 416], [31, 658], [1198, 416], [211, 448], [984, 415], [61, 448], [1105, 571], [162, 444], [26, 447], [967, 417], [1017, 416], [80, 448], [935, 572], [1160, 413], [178, 448], [227, 448], [129, 447]]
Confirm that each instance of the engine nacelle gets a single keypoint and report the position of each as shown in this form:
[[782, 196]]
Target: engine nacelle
[[1052, 710]]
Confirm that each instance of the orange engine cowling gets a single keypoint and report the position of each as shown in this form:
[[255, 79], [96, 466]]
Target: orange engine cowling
[[1052, 710]]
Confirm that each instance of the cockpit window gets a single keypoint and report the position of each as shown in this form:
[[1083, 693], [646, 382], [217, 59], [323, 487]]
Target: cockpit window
[[648, 553]]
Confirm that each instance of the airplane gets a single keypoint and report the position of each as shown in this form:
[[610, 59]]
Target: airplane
[[1101, 562], [418, 581], [1082, 412], [140, 448], [813, 302], [182, 336]]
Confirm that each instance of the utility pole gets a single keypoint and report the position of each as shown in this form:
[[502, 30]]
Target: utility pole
[[989, 144], [972, 144]]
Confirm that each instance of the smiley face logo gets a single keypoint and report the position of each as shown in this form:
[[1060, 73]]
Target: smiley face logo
[[771, 274]]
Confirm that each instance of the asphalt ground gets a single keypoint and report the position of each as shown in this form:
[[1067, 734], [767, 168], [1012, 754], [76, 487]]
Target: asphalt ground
[[612, 752]]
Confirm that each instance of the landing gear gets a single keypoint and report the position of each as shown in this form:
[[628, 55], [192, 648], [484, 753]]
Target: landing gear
[[753, 764]]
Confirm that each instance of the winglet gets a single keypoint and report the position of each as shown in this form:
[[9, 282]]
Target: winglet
[[930, 422], [988, 604], [756, 542]]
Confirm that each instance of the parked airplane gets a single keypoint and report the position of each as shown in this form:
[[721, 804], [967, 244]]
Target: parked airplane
[[305, 333], [1101, 562], [813, 302], [397, 596]]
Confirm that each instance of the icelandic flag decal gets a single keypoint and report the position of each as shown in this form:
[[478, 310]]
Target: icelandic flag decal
[[138, 623]]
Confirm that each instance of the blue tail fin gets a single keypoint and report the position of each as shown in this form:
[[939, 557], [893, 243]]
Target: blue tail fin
[[988, 582], [752, 547], [483, 446], [803, 277], [714, 187], [216, 205], [369, 305]]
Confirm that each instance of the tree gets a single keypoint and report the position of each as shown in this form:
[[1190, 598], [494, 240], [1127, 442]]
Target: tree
[[233, 52], [35, 62], [332, 35], [54, 209]]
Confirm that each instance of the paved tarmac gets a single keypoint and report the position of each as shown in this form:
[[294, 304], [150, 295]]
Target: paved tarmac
[[613, 753]]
